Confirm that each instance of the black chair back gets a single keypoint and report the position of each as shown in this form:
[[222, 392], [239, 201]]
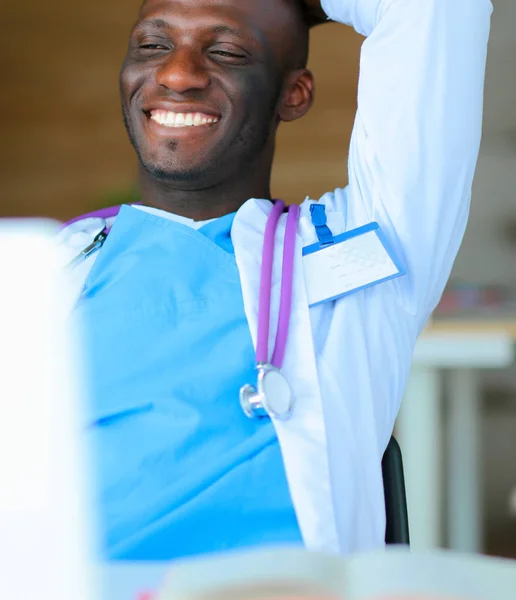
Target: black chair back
[[397, 531]]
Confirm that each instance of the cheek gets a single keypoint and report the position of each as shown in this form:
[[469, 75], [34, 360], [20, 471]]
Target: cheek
[[262, 111], [257, 96], [132, 78]]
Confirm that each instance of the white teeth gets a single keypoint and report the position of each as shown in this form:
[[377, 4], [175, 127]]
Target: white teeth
[[171, 119]]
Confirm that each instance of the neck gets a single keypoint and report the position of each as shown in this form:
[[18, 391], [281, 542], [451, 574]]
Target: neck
[[203, 202]]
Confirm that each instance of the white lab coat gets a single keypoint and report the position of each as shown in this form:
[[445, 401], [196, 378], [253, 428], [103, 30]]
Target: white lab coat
[[413, 154]]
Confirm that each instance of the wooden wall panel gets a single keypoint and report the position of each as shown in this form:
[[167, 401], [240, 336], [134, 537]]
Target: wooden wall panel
[[64, 147]]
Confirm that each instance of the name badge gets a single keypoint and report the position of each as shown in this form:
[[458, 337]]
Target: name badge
[[340, 265]]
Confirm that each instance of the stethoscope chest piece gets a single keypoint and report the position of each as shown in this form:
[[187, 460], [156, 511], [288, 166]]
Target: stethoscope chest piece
[[271, 397]]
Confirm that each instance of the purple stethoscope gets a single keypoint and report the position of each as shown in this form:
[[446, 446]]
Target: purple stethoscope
[[271, 396]]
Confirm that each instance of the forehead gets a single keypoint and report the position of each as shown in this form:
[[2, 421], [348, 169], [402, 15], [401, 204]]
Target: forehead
[[267, 20]]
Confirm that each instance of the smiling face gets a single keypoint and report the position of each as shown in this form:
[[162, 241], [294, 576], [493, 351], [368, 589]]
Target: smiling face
[[206, 82]]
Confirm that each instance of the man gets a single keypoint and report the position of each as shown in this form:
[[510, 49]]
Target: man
[[170, 303]]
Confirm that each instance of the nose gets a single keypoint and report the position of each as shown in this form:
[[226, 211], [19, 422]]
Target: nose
[[182, 71]]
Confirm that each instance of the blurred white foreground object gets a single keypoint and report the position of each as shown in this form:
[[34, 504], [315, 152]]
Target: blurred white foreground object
[[44, 549]]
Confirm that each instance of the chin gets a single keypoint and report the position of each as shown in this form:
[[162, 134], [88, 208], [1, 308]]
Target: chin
[[177, 173]]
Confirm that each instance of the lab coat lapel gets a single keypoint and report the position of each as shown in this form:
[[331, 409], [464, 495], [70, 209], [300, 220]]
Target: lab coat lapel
[[303, 437], [72, 240]]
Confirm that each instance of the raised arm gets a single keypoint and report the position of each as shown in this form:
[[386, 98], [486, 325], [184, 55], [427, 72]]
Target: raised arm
[[417, 132]]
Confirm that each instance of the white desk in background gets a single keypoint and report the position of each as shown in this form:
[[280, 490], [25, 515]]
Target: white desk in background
[[462, 348]]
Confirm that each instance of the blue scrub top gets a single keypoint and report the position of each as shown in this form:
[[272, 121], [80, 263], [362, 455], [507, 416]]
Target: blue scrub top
[[179, 469]]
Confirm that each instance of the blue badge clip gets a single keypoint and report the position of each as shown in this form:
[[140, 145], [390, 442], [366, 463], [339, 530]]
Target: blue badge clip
[[318, 213]]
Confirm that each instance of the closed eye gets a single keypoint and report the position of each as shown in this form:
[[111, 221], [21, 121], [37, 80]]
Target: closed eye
[[152, 47], [228, 54]]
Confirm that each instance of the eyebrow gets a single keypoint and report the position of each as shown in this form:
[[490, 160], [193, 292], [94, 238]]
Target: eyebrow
[[216, 29], [158, 23], [225, 29]]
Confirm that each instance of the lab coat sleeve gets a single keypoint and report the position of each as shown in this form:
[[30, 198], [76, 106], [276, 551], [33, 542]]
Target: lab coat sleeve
[[417, 132]]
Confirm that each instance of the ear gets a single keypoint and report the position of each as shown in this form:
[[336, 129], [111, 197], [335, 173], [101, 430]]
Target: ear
[[298, 95]]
